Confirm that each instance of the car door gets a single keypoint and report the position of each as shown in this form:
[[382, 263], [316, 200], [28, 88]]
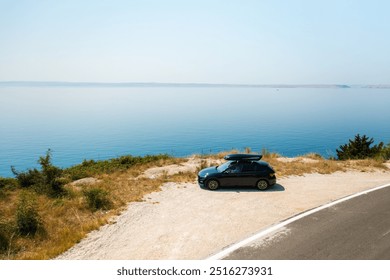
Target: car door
[[231, 177], [248, 174], [262, 171]]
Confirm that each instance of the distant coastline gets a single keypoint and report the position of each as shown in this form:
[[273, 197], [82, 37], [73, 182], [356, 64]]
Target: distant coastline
[[159, 84]]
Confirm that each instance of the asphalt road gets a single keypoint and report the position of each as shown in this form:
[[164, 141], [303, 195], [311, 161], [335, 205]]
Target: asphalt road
[[356, 229]]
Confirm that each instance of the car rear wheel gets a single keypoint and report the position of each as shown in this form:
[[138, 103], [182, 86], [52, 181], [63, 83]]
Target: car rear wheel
[[212, 184], [262, 185]]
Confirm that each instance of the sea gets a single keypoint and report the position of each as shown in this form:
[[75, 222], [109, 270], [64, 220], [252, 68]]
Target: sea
[[102, 122]]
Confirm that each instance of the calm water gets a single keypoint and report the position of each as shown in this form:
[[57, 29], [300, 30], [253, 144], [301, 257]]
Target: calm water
[[97, 123]]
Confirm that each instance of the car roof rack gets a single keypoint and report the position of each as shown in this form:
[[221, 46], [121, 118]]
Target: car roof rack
[[243, 157]]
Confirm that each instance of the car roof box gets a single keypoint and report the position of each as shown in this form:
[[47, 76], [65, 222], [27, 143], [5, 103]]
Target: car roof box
[[243, 157]]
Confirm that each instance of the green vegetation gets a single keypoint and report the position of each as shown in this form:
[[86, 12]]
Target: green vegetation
[[90, 168], [6, 183], [5, 234], [28, 221], [385, 153], [48, 180], [97, 198], [359, 148]]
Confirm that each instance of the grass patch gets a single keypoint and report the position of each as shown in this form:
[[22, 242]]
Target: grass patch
[[313, 163], [6, 231], [217, 156], [97, 198], [203, 164], [300, 167], [91, 168], [313, 156], [183, 177], [8, 183], [28, 221]]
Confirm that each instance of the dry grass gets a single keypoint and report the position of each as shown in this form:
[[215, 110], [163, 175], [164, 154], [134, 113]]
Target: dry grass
[[218, 156], [313, 163], [313, 156], [366, 165], [300, 167], [66, 221], [183, 177]]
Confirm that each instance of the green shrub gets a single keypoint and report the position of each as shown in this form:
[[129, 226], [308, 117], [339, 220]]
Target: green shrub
[[52, 176], [359, 148], [4, 236], [48, 180], [8, 183], [28, 221], [4, 241], [97, 198], [31, 177], [385, 153]]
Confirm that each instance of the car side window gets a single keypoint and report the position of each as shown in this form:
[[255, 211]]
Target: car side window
[[234, 168], [249, 167], [260, 167]]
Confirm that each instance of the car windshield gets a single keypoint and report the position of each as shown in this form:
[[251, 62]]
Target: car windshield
[[224, 166]]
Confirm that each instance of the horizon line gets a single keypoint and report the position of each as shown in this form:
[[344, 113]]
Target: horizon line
[[180, 84]]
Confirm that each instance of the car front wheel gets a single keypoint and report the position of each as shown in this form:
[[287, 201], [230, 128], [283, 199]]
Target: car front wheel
[[262, 185], [212, 184]]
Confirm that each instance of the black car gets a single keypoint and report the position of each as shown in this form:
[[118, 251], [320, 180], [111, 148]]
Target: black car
[[239, 170]]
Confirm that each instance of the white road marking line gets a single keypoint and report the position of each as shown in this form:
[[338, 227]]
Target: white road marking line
[[269, 230]]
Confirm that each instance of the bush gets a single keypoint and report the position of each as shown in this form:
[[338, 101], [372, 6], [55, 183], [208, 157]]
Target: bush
[[4, 235], [4, 241], [49, 180], [385, 153], [28, 221], [8, 183], [97, 198], [28, 178], [359, 148], [51, 175]]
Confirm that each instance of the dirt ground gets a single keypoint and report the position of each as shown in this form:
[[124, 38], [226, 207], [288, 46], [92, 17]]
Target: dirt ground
[[184, 221]]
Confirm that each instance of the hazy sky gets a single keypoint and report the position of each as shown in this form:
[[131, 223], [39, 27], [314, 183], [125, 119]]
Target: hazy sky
[[241, 41]]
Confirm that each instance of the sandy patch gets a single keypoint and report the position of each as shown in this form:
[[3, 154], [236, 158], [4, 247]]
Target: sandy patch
[[190, 166], [186, 222], [85, 181], [301, 159]]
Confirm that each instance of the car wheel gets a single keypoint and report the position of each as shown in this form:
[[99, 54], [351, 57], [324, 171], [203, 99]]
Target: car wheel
[[262, 185], [212, 184]]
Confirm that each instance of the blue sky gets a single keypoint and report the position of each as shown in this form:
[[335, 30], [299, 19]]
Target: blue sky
[[260, 42]]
